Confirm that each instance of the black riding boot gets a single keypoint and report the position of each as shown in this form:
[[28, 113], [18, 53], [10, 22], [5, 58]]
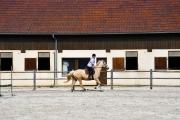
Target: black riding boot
[[89, 78], [92, 77]]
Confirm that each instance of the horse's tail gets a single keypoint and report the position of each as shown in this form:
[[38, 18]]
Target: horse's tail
[[69, 76]]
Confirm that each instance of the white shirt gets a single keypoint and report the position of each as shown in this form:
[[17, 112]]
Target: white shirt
[[92, 62]]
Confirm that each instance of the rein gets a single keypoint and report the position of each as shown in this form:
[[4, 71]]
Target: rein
[[99, 67]]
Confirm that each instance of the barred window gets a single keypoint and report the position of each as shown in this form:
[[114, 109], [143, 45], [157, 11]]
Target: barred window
[[131, 60], [174, 60], [6, 61], [43, 61]]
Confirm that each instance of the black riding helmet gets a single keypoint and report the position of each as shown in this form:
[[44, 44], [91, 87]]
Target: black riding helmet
[[93, 55]]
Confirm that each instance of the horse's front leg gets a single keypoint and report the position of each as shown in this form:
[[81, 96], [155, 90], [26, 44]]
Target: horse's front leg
[[98, 84]]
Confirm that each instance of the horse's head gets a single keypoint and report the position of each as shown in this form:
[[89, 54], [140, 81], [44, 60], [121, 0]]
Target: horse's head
[[102, 63]]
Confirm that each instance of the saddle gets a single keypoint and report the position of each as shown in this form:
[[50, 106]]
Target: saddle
[[86, 71]]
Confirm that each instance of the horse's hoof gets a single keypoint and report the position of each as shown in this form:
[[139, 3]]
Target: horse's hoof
[[95, 87], [72, 90], [101, 90], [84, 90]]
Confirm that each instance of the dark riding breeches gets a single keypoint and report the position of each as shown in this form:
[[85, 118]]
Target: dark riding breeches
[[90, 70]]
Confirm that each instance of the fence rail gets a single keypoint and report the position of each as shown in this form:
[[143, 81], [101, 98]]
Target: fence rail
[[150, 77]]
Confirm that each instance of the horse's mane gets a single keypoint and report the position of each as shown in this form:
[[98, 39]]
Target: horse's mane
[[99, 61]]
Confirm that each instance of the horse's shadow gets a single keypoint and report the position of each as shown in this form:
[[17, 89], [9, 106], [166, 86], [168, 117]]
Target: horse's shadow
[[88, 90]]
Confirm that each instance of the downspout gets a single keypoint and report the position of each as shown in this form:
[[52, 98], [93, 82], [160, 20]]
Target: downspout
[[55, 58]]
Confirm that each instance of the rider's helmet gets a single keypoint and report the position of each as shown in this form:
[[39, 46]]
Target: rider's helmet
[[93, 55]]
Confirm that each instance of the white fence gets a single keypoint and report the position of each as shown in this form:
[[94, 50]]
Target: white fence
[[51, 78]]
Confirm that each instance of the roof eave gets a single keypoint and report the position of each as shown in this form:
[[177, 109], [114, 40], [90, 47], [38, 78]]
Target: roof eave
[[84, 33]]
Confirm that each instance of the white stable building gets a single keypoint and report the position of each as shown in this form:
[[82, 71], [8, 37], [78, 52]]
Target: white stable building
[[56, 36]]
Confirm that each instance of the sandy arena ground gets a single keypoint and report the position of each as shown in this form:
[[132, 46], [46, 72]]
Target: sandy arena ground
[[122, 103]]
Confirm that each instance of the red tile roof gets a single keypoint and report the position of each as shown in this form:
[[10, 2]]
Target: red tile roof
[[69, 16]]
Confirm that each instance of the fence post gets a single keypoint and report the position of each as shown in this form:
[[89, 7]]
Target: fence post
[[151, 78], [0, 84], [54, 84], [111, 79], [34, 80], [54, 79], [11, 81]]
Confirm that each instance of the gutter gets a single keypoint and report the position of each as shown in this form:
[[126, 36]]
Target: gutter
[[86, 33]]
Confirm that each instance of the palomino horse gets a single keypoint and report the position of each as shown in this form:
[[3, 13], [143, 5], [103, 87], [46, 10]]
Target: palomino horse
[[81, 74]]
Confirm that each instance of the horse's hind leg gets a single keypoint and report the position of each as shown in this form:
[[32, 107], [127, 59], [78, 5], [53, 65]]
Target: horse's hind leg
[[80, 82], [73, 85]]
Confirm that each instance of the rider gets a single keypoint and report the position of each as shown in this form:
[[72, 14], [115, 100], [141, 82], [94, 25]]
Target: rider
[[90, 65]]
